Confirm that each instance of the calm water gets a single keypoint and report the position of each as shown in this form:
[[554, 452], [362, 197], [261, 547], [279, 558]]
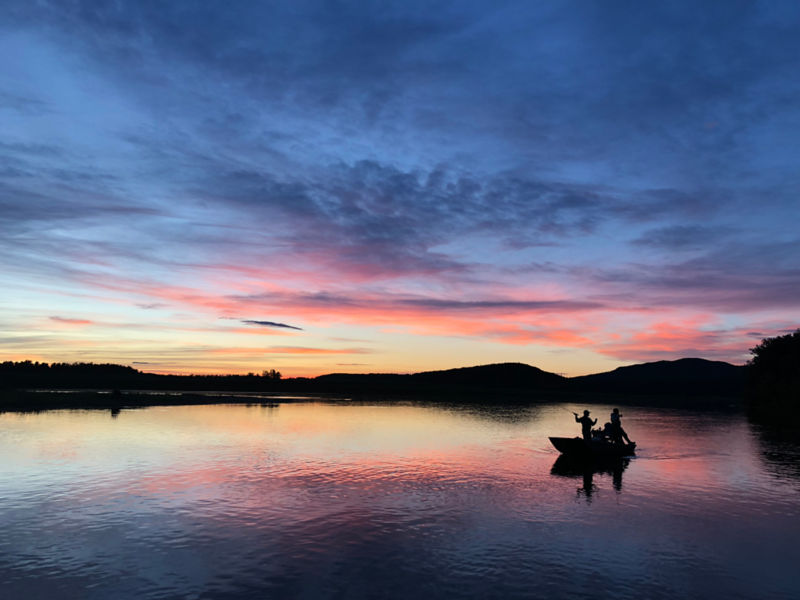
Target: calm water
[[313, 500]]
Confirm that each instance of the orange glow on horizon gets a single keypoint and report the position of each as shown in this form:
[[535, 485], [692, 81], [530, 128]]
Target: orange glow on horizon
[[192, 330]]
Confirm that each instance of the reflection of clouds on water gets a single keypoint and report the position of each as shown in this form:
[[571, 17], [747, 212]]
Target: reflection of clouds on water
[[395, 501], [499, 413]]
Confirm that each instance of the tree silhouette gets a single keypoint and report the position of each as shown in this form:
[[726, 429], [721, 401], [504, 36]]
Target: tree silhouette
[[271, 374], [775, 374]]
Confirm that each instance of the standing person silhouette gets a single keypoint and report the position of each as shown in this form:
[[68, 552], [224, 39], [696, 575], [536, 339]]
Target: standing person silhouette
[[617, 432], [586, 424]]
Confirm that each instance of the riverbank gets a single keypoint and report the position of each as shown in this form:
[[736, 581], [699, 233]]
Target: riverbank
[[33, 400], [101, 399]]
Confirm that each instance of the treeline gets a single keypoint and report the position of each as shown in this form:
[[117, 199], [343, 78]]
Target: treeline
[[30, 375], [771, 380], [684, 377], [774, 378]]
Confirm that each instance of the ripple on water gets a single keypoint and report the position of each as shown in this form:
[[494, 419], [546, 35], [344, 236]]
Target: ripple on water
[[412, 502]]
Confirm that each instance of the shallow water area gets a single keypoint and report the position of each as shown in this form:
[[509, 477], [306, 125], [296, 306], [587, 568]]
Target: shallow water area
[[318, 500]]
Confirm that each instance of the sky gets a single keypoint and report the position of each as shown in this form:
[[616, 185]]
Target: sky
[[320, 187]]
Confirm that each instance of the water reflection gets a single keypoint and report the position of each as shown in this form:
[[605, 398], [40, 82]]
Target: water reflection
[[498, 413], [780, 447], [396, 501], [566, 466]]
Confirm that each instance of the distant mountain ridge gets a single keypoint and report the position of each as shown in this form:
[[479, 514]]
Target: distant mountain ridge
[[498, 373], [512, 373], [687, 376], [500, 377]]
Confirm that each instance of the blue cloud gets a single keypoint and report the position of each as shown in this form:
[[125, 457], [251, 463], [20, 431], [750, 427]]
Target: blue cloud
[[270, 324], [645, 149]]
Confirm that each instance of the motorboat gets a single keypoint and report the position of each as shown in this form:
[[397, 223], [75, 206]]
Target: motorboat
[[594, 448]]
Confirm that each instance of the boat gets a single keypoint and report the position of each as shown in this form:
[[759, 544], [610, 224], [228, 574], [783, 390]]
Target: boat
[[580, 448]]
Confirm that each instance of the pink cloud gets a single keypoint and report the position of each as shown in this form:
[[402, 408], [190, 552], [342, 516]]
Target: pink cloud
[[543, 314], [66, 321], [287, 350]]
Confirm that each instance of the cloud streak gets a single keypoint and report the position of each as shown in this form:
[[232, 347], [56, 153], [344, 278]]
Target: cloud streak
[[68, 321], [271, 324]]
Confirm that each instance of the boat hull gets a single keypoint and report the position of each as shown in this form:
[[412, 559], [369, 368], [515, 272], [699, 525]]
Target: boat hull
[[578, 447]]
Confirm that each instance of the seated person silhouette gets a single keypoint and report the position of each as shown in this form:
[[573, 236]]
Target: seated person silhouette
[[617, 433]]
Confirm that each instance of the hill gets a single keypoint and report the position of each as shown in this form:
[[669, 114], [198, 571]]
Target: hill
[[495, 375], [656, 382], [686, 376], [505, 378]]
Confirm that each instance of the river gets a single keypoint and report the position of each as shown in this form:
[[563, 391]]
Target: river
[[308, 499]]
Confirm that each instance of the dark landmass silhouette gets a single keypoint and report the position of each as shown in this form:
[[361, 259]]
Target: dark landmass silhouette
[[773, 391], [507, 378], [772, 399], [690, 381], [687, 375]]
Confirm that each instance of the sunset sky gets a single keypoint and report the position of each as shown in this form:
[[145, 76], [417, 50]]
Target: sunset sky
[[324, 187]]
